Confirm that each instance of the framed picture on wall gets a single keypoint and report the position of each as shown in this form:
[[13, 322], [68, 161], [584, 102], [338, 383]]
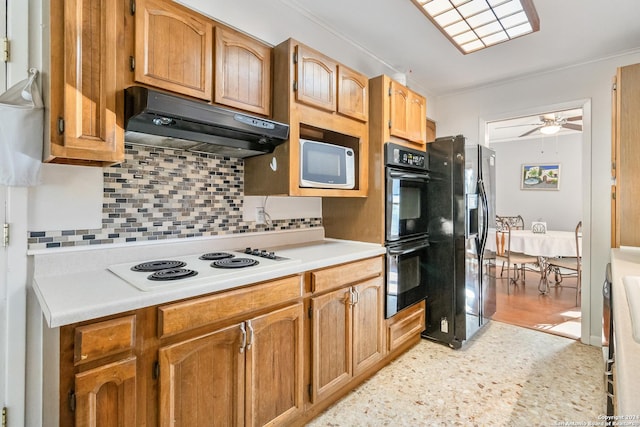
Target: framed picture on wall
[[540, 176]]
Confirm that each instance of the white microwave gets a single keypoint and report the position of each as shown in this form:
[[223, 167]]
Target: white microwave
[[325, 165]]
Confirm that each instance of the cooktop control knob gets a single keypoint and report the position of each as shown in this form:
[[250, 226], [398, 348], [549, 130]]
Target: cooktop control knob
[[247, 250], [272, 255]]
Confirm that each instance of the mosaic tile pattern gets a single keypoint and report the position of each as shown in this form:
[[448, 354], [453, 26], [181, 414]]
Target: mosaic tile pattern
[[161, 193], [504, 376]]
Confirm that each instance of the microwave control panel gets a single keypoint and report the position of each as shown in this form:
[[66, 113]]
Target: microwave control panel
[[397, 155]]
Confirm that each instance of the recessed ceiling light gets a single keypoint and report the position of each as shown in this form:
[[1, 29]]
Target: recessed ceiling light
[[472, 25]]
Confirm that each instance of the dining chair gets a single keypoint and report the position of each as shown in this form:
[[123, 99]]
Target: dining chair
[[515, 222], [509, 257], [559, 266]]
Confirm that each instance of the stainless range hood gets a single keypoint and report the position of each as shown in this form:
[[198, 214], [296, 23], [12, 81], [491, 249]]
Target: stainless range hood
[[162, 120]]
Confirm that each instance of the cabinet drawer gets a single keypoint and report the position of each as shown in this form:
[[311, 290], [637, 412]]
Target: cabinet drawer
[[341, 275], [405, 325], [191, 314], [104, 338]]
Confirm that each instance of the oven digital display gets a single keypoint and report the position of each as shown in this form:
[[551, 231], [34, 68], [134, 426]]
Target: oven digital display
[[404, 157]]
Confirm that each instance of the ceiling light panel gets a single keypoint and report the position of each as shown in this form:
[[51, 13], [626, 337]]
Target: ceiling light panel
[[473, 8], [475, 24]]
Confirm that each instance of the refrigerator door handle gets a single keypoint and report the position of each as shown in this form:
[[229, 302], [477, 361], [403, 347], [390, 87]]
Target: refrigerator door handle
[[485, 218]]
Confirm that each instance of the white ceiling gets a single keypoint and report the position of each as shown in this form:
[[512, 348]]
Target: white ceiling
[[395, 31]]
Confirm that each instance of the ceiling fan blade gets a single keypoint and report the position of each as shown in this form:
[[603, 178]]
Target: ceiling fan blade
[[572, 126], [515, 126], [573, 119], [529, 132]]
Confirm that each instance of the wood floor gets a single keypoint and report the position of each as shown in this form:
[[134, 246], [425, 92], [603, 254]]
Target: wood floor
[[555, 312]]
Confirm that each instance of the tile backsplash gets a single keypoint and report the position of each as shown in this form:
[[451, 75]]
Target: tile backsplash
[[162, 193]]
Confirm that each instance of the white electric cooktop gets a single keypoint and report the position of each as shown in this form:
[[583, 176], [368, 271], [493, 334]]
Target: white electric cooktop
[[203, 268]]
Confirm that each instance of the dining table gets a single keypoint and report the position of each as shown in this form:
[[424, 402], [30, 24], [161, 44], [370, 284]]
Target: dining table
[[550, 244]]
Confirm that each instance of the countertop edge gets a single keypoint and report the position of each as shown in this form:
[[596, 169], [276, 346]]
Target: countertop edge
[[627, 350], [70, 298]]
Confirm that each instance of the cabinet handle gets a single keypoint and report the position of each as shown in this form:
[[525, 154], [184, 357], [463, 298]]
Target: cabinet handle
[[357, 295], [352, 297], [250, 335], [243, 339]]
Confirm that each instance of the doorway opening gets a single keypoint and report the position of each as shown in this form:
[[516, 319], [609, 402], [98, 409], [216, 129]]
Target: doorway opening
[[552, 135]]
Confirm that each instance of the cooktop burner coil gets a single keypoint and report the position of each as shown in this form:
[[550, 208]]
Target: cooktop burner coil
[[158, 265], [214, 256], [172, 274], [234, 263]]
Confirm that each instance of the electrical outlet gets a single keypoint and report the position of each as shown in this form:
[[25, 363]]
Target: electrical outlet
[[260, 215]]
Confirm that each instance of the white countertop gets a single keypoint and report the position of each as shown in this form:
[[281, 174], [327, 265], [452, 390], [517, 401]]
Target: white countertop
[[625, 262], [73, 286]]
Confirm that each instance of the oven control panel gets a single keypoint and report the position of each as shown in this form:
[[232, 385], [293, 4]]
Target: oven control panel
[[397, 155]]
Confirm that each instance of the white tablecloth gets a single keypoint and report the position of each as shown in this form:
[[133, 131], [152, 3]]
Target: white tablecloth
[[550, 244]]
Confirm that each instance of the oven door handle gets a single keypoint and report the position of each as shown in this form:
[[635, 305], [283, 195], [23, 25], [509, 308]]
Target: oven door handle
[[405, 175], [398, 252]]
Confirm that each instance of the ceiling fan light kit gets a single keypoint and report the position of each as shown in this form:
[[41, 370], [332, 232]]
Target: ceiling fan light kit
[[549, 130]]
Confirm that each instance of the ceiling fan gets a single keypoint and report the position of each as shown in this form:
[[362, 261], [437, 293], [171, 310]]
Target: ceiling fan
[[550, 124]]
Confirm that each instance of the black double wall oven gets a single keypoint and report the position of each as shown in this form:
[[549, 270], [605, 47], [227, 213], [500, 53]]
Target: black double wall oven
[[406, 224]]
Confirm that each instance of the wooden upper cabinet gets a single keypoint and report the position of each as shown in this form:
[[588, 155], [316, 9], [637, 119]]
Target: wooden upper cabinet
[[417, 118], [408, 114], [399, 107], [626, 154], [173, 48], [86, 103], [353, 88], [315, 78], [242, 72], [431, 130], [321, 100]]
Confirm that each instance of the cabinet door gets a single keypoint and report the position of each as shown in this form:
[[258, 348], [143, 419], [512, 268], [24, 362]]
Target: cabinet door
[[353, 89], [399, 101], [243, 72], [87, 78], [417, 118], [202, 380], [615, 149], [368, 328], [173, 48], [106, 396], [331, 342], [315, 79], [628, 156], [275, 367], [431, 130]]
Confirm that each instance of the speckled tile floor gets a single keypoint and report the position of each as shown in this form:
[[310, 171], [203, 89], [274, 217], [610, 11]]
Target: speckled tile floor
[[504, 376]]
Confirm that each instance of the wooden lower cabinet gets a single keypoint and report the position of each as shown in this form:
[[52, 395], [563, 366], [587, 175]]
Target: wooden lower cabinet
[[106, 395], [249, 373], [274, 353], [202, 380], [347, 335]]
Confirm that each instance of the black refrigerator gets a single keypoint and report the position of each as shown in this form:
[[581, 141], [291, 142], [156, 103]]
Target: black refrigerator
[[461, 211]]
